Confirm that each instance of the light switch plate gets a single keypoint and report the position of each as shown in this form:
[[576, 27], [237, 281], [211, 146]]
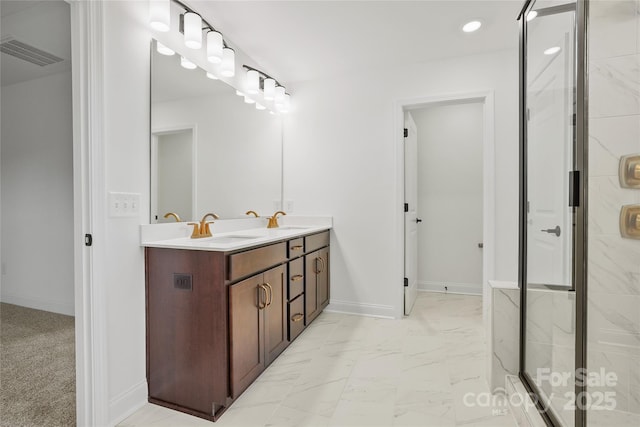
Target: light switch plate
[[124, 205]]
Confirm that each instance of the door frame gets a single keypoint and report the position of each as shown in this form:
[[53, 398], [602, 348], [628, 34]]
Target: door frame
[[89, 206], [167, 130], [486, 97]]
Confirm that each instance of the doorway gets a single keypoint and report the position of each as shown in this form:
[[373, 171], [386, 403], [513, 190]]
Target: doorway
[[406, 241], [38, 246]]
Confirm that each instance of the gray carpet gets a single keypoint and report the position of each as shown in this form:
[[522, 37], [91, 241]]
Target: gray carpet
[[37, 368]]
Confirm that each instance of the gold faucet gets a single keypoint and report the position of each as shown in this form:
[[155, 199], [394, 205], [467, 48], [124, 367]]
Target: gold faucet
[[201, 229], [252, 213], [174, 215], [273, 221]]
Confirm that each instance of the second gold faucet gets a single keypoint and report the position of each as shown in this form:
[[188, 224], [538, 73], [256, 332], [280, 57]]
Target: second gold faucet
[[202, 229], [273, 220]]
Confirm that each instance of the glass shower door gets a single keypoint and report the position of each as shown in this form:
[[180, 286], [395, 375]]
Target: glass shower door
[[549, 146]]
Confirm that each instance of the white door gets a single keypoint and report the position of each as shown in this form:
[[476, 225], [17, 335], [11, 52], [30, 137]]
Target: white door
[[550, 109], [411, 213]]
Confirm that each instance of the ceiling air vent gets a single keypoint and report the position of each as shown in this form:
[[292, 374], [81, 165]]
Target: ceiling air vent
[[14, 47]]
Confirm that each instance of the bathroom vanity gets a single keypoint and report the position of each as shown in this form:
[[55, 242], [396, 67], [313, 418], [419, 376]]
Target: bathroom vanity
[[220, 310]]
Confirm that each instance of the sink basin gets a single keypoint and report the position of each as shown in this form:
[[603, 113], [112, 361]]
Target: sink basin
[[230, 239]]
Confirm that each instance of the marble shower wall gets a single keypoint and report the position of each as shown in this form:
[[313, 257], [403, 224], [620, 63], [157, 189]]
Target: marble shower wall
[[613, 325]]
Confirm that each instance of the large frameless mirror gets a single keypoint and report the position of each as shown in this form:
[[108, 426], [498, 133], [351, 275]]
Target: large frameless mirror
[[210, 151]]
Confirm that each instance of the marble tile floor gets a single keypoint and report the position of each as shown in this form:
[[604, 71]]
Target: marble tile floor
[[347, 370]]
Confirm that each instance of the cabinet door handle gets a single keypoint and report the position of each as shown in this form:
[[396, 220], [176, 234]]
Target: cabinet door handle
[[316, 269], [296, 247], [322, 264], [297, 278], [270, 294], [297, 317], [260, 303]]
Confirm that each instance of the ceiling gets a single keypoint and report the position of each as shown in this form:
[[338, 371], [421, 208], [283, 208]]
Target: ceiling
[[41, 24], [304, 39]]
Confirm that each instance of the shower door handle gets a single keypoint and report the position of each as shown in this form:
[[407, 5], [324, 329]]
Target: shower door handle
[[555, 231]]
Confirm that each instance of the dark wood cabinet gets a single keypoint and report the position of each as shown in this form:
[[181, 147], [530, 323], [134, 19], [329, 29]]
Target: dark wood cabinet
[[216, 320], [258, 325], [317, 283]]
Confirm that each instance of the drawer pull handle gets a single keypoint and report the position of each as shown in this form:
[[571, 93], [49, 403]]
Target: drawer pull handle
[[297, 278], [297, 317], [321, 269], [270, 294], [296, 247], [260, 300]]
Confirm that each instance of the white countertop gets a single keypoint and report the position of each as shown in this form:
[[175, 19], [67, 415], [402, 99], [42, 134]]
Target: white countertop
[[230, 235]]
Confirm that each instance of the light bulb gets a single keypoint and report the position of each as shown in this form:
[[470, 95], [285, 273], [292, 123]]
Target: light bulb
[[160, 15], [211, 76], [163, 50], [228, 66], [269, 89], [286, 106], [248, 100], [279, 100], [187, 64], [260, 106], [192, 30], [472, 26], [214, 47], [253, 82]]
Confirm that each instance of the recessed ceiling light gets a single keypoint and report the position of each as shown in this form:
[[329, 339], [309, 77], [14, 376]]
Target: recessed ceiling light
[[472, 26], [552, 50], [531, 15]]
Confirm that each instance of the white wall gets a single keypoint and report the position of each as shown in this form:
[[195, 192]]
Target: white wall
[[340, 160], [450, 197], [126, 164], [37, 194]]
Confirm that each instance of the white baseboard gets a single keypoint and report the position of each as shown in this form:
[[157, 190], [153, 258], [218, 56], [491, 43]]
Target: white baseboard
[[127, 402], [39, 304], [362, 309], [451, 287]]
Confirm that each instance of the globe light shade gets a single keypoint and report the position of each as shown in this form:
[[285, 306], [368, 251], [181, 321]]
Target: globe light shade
[[269, 89], [192, 30], [228, 66], [253, 82], [160, 15], [214, 47]]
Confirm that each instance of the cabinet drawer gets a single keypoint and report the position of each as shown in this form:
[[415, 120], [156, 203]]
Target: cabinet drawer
[[249, 262], [316, 241], [296, 247], [296, 277], [296, 317]]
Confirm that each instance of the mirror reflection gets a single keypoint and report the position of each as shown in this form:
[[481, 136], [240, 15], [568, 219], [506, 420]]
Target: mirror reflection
[[210, 151]]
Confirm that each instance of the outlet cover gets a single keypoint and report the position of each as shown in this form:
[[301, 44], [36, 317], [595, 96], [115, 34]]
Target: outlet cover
[[288, 206]]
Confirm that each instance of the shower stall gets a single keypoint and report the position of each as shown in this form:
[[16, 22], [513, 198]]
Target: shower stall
[[579, 264]]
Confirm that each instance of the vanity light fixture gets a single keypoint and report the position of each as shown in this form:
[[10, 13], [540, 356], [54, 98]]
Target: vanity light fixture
[[552, 50], [228, 66], [215, 44], [211, 76], [253, 82], [187, 64], [163, 50], [532, 15], [192, 30], [279, 100], [472, 26], [160, 15], [269, 89]]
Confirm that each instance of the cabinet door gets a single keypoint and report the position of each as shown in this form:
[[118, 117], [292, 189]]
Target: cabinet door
[[275, 314], [322, 282], [311, 267], [246, 304]]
